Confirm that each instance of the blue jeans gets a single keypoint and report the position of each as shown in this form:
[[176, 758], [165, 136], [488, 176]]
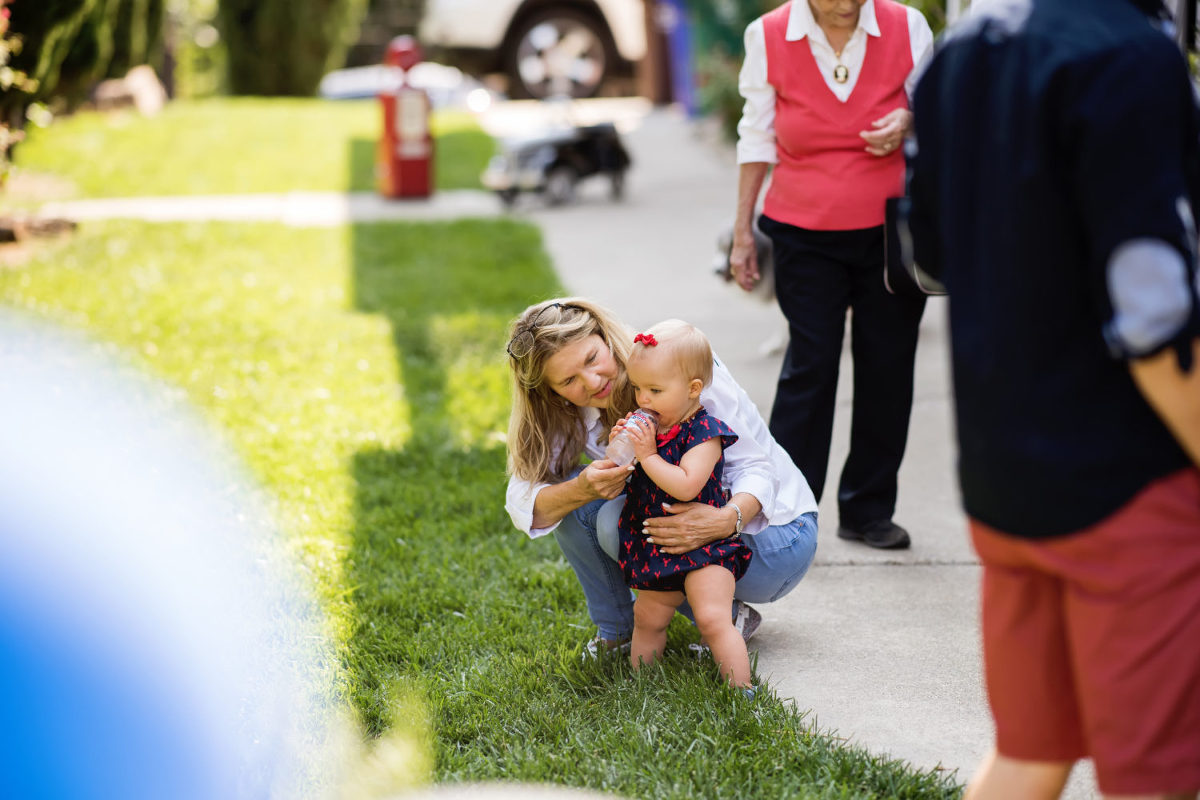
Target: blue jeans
[[588, 538]]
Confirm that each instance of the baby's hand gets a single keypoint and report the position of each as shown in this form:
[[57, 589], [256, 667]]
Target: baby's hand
[[619, 426], [644, 443]]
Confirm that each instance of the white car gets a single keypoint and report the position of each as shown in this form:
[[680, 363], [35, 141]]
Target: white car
[[546, 47]]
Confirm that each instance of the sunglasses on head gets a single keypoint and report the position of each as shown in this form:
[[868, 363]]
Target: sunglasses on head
[[521, 344]]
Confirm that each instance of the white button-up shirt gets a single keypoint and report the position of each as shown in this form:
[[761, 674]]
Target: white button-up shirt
[[756, 130], [755, 463]]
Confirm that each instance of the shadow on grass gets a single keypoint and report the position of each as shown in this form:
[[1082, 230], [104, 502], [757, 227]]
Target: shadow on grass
[[440, 576]]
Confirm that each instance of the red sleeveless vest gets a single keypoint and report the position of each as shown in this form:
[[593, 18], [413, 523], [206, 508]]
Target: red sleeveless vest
[[825, 179]]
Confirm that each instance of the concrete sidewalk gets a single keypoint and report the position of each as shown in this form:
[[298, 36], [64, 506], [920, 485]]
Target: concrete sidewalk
[[883, 647], [294, 208]]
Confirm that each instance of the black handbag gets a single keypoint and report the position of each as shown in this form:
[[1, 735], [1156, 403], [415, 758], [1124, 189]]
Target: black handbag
[[901, 273]]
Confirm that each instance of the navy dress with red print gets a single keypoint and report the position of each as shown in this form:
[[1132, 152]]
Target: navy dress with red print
[[644, 566]]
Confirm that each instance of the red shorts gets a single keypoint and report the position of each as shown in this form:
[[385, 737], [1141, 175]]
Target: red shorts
[[1091, 641]]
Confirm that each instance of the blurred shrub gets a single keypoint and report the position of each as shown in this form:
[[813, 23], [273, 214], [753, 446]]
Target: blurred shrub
[[719, 26], [196, 48], [47, 29], [70, 45], [717, 72], [89, 54], [285, 47], [934, 11], [137, 35], [11, 80]]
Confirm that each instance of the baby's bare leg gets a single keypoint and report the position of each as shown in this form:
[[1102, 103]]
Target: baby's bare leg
[[652, 613], [710, 593]]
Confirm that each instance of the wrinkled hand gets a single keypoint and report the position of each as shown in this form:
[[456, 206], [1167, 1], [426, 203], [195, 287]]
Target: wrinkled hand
[[743, 260], [888, 132], [604, 479], [688, 526]]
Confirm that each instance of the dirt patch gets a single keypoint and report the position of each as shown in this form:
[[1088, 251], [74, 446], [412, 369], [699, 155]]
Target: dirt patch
[[16, 254], [21, 238], [24, 187]]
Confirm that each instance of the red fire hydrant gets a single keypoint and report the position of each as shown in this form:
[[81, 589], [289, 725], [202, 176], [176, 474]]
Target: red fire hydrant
[[404, 160]]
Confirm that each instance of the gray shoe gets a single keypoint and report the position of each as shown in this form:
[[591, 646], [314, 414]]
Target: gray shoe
[[598, 648], [746, 620]]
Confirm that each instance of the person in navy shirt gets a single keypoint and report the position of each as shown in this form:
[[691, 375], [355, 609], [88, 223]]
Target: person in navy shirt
[[1054, 186]]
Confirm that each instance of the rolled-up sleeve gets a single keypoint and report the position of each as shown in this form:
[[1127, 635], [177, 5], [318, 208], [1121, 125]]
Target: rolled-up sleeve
[[1151, 296], [756, 129], [752, 480], [518, 502]]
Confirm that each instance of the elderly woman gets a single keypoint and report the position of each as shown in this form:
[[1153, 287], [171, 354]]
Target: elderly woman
[[568, 362], [827, 84]]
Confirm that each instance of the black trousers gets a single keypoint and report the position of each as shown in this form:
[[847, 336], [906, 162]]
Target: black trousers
[[819, 275]]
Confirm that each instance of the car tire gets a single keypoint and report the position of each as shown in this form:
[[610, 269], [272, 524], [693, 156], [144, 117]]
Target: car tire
[[557, 51], [560, 185]]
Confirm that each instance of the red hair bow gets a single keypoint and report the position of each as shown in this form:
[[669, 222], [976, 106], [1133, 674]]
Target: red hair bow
[[646, 339]]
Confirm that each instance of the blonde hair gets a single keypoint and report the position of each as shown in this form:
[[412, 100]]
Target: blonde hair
[[546, 435], [687, 344]]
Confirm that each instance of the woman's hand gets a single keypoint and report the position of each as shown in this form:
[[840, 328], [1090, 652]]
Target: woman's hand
[[743, 259], [688, 526], [889, 132], [743, 255], [603, 478]]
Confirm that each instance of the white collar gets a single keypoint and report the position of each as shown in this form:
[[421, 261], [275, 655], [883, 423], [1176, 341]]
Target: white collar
[[591, 416], [801, 22]]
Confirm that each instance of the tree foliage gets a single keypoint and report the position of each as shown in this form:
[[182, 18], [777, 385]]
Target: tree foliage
[[68, 45], [47, 29], [11, 80], [89, 54], [285, 47]]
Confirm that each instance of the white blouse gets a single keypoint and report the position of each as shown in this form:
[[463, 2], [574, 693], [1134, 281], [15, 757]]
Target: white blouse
[[756, 130], [755, 463]]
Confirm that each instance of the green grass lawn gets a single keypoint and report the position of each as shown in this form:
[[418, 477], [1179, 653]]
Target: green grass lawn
[[233, 145], [359, 372]]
